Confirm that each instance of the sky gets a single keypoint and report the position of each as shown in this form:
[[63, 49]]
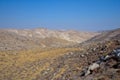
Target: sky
[[87, 15]]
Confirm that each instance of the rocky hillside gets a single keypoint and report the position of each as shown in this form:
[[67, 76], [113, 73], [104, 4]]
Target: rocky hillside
[[61, 63], [14, 39]]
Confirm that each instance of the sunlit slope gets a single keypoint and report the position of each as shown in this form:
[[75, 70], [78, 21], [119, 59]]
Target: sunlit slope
[[22, 39], [28, 65]]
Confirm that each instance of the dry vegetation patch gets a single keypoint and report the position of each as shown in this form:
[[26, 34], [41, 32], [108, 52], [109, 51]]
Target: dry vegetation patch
[[27, 65]]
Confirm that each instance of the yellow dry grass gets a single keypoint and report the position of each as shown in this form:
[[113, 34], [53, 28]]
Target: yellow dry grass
[[60, 72], [25, 64]]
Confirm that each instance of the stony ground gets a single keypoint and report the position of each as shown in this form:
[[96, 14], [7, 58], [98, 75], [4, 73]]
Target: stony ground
[[69, 66], [59, 63]]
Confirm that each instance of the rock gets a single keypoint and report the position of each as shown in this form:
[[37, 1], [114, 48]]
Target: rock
[[91, 68], [87, 53], [82, 55]]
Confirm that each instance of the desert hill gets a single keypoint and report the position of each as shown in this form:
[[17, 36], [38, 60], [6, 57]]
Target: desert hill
[[61, 63], [16, 39]]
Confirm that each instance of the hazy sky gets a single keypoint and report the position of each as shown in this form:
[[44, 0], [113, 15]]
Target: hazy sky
[[92, 15]]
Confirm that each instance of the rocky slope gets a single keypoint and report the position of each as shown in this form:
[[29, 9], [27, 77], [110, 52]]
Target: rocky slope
[[70, 65], [62, 63]]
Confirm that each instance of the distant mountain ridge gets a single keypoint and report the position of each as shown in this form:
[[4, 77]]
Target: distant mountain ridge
[[41, 37]]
